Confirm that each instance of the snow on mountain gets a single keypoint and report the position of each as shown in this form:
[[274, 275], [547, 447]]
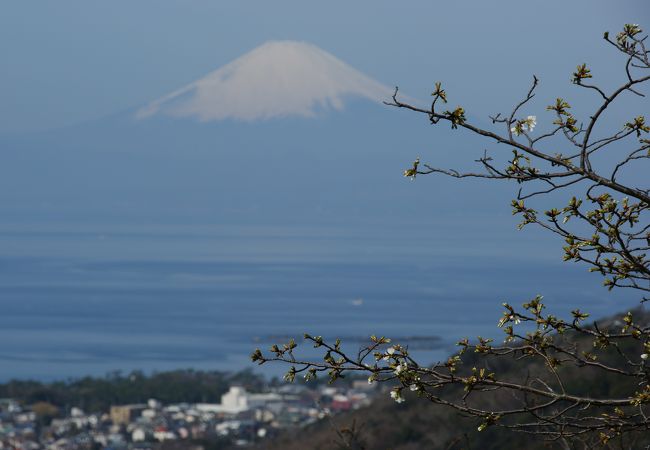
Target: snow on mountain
[[277, 79]]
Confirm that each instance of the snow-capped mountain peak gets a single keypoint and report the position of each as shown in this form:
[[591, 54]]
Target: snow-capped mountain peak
[[277, 79]]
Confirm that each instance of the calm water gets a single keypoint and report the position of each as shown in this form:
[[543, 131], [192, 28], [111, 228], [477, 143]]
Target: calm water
[[79, 300]]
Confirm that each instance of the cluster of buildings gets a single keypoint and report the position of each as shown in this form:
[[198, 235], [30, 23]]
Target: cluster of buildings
[[242, 418]]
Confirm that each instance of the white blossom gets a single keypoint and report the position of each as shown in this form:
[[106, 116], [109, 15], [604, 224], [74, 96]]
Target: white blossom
[[531, 121], [645, 356], [413, 387], [396, 395], [389, 352], [527, 124], [400, 368]]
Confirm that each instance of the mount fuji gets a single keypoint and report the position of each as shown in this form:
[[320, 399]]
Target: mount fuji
[[277, 79], [286, 132]]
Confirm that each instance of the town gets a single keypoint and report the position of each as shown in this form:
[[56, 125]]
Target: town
[[241, 419]]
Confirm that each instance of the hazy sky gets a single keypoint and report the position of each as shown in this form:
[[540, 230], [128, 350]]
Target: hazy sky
[[107, 212], [69, 61]]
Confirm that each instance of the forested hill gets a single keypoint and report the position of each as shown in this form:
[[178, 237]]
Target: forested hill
[[98, 394]]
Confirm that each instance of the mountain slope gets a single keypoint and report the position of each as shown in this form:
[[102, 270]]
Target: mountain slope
[[277, 79]]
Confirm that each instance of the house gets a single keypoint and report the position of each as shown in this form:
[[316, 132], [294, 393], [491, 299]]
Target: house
[[123, 414]]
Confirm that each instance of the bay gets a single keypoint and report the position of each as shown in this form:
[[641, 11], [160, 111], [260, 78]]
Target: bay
[[88, 299]]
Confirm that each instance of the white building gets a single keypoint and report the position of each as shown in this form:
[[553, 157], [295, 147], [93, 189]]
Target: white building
[[139, 435], [237, 400]]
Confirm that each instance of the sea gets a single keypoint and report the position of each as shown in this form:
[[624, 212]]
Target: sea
[[91, 299]]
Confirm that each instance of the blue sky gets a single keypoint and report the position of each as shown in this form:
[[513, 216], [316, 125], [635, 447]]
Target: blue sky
[[71, 61]]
